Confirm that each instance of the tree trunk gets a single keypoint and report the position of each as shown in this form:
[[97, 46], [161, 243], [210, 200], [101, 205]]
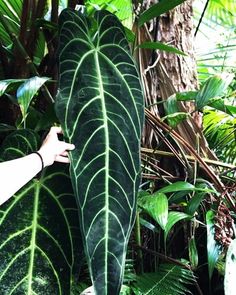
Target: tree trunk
[[166, 73]]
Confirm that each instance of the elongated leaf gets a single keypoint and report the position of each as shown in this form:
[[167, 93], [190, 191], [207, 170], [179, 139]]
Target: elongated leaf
[[221, 105], [213, 248], [195, 201], [173, 218], [157, 9], [176, 187], [230, 270], [193, 254], [27, 91], [176, 118], [161, 46], [156, 206], [4, 84], [213, 87], [182, 186], [100, 106], [39, 250]]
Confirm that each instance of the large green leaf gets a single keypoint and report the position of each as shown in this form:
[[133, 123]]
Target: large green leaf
[[230, 269], [39, 250], [100, 107]]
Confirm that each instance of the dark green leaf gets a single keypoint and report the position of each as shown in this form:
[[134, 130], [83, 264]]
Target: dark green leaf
[[100, 107], [161, 46], [157, 9], [213, 248], [6, 127], [39, 247]]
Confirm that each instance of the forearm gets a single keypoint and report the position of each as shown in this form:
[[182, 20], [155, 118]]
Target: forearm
[[16, 173]]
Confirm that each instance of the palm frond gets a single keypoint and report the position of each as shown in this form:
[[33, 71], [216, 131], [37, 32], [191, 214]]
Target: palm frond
[[169, 280], [220, 131]]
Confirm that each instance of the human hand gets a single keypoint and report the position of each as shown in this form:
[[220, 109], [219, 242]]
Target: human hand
[[53, 149]]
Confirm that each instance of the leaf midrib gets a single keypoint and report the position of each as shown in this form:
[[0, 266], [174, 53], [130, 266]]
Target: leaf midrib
[[33, 238], [106, 132]]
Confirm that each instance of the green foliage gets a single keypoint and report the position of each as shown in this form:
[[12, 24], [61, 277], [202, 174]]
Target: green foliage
[[213, 87], [157, 9], [193, 253], [27, 91], [156, 205], [219, 129], [170, 279], [173, 218], [160, 46], [213, 248], [39, 242], [100, 106]]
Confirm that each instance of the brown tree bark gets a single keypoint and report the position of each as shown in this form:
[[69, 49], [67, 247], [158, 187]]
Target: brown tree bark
[[166, 73]]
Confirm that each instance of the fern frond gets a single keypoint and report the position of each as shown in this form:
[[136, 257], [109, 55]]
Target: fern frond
[[168, 280]]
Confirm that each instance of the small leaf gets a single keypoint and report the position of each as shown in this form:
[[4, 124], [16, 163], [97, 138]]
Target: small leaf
[[213, 248], [193, 254], [157, 9], [230, 270], [176, 118], [186, 96], [221, 105], [148, 225], [161, 46], [195, 201], [214, 86], [5, 84], [156, 206], [173, 218], [27, 91]]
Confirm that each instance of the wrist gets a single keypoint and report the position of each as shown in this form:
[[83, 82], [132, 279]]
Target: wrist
[[47, 161]]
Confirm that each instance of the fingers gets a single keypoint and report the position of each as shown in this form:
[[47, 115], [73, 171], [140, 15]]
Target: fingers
[[55, 130], [62, 159]]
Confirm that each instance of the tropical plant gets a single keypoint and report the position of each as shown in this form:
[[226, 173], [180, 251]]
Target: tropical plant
[[100, 107], [39, 245], [186, 205]]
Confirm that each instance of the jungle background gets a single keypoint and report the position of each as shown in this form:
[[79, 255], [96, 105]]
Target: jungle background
[[185, 53]]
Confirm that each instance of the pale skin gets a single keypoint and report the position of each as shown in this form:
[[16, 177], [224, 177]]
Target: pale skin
[[16, 173]]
